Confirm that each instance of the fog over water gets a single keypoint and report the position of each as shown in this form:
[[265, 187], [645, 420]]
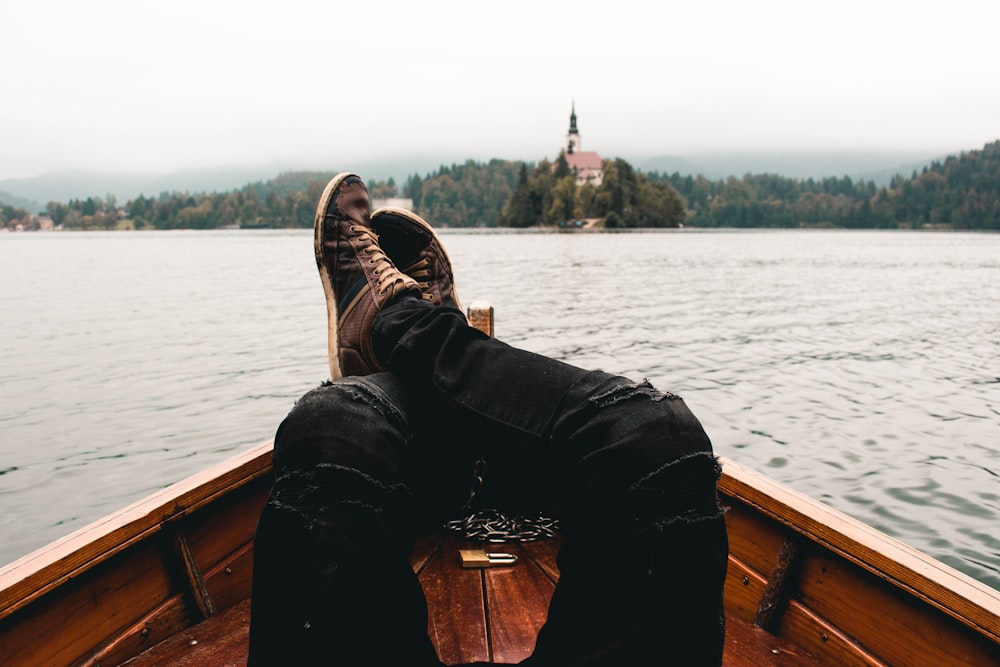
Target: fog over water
[[862, 368]]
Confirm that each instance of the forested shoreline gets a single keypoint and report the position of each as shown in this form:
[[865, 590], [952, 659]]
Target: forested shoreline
[[962, 193]]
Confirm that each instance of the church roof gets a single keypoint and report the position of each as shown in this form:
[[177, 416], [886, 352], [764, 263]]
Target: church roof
[[581, 160]]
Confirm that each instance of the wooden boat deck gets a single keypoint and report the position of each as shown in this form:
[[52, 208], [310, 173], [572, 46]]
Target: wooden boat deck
[[167, 581], [487, 615]]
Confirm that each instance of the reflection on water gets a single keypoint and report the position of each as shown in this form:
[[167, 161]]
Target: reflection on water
[[859, 367]]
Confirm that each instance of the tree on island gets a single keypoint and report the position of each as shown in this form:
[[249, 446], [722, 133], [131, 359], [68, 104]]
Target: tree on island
[[625, 198], [471, 194]]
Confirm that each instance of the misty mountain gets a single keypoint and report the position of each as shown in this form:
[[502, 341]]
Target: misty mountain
[[8, 199], [62, 186], [960, 192], [879, 167], [33, 193]]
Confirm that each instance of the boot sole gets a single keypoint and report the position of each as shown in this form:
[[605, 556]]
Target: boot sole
[[332, 341]]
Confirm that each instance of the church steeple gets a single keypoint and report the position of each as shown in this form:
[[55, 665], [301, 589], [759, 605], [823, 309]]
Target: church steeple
[[586, 166], [573, 142]]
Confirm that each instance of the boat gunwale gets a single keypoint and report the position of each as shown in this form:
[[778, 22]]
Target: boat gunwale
[[933, 582], [47, 568]]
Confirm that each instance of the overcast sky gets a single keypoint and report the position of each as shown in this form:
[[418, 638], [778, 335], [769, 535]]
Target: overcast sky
[[134, 85]]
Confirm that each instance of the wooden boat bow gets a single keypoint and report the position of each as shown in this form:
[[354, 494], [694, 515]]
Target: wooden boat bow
[[169, 578]]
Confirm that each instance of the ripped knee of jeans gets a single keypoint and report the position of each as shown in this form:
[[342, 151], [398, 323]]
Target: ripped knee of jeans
[[627, 390], [681, 491], [329, 396], [331, 497]]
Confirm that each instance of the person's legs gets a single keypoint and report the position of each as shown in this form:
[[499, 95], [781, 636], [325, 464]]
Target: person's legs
[[332, 583], [644, 562], [633, 465]]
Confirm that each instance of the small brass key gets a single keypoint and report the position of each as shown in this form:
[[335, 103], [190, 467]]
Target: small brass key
[[477, 558]]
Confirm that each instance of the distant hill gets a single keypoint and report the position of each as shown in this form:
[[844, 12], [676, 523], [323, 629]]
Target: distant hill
[[879, 167], [34, 193], [63, 186], [19, 202], [959, 192]]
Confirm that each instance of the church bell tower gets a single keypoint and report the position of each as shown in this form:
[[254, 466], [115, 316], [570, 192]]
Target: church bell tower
[[573, 142]]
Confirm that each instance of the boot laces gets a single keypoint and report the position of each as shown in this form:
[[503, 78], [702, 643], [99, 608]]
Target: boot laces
[[418, 270], [388, 277]]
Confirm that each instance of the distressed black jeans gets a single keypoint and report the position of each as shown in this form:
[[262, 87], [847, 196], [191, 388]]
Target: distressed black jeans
[[363, 463]]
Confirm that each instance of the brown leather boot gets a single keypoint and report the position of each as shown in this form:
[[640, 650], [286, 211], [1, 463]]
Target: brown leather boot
[[414, 247], [358, 278]]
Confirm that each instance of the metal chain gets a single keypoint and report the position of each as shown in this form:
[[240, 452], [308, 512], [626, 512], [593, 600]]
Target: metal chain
[[493, 525]]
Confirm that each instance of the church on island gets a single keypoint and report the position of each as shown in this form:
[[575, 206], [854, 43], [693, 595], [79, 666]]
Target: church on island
[[586, 165]]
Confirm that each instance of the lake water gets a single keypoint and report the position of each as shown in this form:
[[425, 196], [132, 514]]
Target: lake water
[[862, 368]]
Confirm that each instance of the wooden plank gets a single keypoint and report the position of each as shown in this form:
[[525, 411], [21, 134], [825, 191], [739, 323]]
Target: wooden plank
[[27, 579], [897, 629], [744, 589], [215, 531], [222, 641], [160, 624], [230, 581], [89, 612], [517, 604], [456, 620], [750, 646], [543, 553], [802, 627], [930, 581], [755, 538], [424, 550]]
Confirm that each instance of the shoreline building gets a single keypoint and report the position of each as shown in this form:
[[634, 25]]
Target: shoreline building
[[586, 165], [396, 202]]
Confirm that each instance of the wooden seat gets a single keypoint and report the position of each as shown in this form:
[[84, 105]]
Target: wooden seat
[[488, 615]]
